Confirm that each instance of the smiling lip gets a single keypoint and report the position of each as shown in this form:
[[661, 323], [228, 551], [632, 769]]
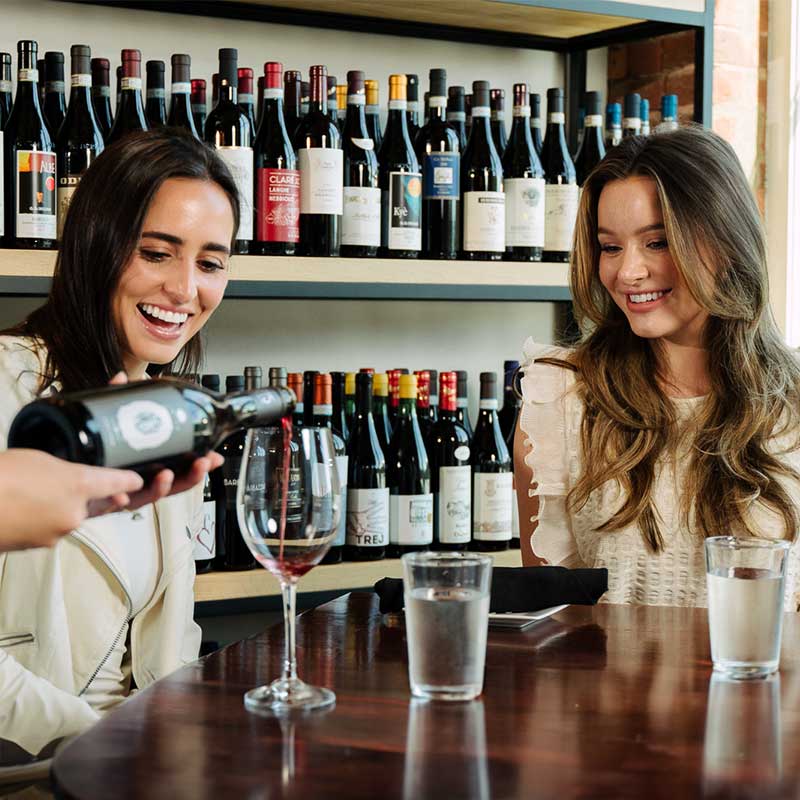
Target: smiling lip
[[168, 332], [649, 305]]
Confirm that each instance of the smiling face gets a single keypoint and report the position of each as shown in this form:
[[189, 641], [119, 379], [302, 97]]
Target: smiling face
[[177, 273], [637, 269]]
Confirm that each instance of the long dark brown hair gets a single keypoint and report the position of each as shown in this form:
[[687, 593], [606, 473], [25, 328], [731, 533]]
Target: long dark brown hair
[[75, 324]]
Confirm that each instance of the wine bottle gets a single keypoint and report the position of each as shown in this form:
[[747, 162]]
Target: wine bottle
[[259, 100], [373, 113], [423, 377], [42, 72], [228, 131], [323, 418], [349, 400], [305, 98], [309, 378], [339, 416], [380, 409], [468, 112], [438, 151], [361, 218], [101, 95], [491, 475], [409, 478], [180, 106], [295, 383], [199, 108], [523, 178], [456, 115], [292, 87], [433, 405], [484, 236], [426, 108], [30, 163], [277, 190], [507, 415], [462, 401], [412, 107], [130, 111], [497, 103], [645, 113], [341, 105], [613, 125], [319, 153], [245, 98], [118, 73], [55, 106], [451, 473], [5, 88], [536, 123], [330, 93], [79, 140], [669, 114], [394, 394], [205, 529], [214, 89], [580, 126], [155, 104], [592, 150], [561, 188], [632, 118], [400, 181], [367, 491]]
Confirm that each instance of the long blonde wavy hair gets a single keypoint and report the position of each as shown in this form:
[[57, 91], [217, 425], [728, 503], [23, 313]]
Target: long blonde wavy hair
[[716, 240]]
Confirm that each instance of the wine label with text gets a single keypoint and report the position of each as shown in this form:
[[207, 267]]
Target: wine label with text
[[411, 519], [36, 195], [240, 162], [230, 479], [368, 517], [341, 528], [561, 211], [321, 180], [278, 205], [485, 221], [442, 177], [491, 519], [453, 505], [361, 221], [402, 212], [203, 528], [524, 212]]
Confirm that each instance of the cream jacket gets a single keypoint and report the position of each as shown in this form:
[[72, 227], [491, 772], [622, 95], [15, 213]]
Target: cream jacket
[[53, 637]]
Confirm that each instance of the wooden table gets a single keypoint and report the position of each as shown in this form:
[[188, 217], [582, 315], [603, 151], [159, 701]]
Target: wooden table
[[611, 701]]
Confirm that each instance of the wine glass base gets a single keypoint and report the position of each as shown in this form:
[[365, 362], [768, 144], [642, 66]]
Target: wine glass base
[[283, 696]]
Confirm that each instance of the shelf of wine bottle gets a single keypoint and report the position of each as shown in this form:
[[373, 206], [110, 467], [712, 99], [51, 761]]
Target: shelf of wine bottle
[[28, 272], [347, 576]]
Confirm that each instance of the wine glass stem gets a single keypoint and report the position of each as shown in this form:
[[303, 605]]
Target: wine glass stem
[[289, 593]]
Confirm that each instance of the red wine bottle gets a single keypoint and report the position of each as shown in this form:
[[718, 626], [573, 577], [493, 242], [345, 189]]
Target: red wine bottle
[[462, 401], [339, 421], [592, 150], [118, 72], [130, 111], [373, 113], [423, 377], [536, 123], [309, 379], [497, 103], [380, 409], [468, 103], [333, 106], [305, 98], [259, 99], [457, 115], [412, 109], [199, 108], [292, 87], [79, 140], [228, 131], [341, 105], [484, 236], [214, 89], [101, 95], [55, 105], [205, 546], [180, 107], [277, 189], [5, 88], [431, 414], [319, 154], [30, 163], [295, 383], [155, 105], [361, 218], [246, 100]]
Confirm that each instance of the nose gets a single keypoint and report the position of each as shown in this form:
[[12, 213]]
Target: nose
[[634, 266], [180, 281]]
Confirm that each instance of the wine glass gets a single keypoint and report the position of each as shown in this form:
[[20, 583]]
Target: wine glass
[[288, 501]]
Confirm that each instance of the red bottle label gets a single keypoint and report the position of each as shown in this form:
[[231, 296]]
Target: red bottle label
[[278, 205]]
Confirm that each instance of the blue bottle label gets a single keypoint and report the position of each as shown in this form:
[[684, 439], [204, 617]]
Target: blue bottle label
[[441, 176]]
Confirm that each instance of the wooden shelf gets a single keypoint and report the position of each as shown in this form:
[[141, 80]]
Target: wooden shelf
[[347, 576]]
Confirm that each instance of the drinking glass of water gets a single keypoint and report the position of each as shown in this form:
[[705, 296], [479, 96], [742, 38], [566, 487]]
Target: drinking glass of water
[[447, 620], [746, 579]]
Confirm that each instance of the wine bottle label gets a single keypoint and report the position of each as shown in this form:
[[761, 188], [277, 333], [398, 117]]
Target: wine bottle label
[[361, 220], [442, 176], [398, 105], [240, 162], [31, 75], [199, 108], [632, 123], [484, 221], [373, 109], [368, 517], [536, 123], [462, 452], [130, 83], [321, 180], [278, 205], [556, 116], [2, 187], [499, 116], [181, 88], [341, 529], [480, 111], [356, 100], [561, 210], [488, 404], [101, 91], [364, 144], [491, 518], [272, 94], [54, 86], [142, 425], [593, 121], [203, 527], [36, 195], [67, 184], [524, 212], [413, 105], [5, 86], [453, 505], [439, 101], [521, 111], [246, 99], [411, 519], [456, 116], [402, 212], [156, 94], [80, 81]]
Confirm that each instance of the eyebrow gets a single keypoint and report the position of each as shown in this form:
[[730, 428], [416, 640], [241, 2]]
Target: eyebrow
[[171, 239], [656, 226]]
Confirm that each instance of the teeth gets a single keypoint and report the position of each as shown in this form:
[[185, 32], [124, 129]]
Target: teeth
[[167, 316], [646, 297]]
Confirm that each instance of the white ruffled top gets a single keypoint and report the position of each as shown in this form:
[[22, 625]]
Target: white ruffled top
[[550, 420]]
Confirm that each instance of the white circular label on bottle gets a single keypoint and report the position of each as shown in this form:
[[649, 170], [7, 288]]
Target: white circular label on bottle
[[28, 75], [556, 116], [144, 424], [356, 100], [81, 80], [437, 102], [131, 83], [181, 88], [594, 121], [364, 144], [522, 111], [398, 105], [462, 453], [480, 111], [273, 94]]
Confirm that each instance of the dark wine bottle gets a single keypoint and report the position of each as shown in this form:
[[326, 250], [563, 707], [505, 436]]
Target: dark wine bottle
[[245, 98], [339, 416], [412, 108], [484, 236], [380, 409], [101, 95], [228, 131], [309, 379], [55, 105], [462, 401], [536, 123], [400, 181], [361, 218], [561, 187], [42, 72], [426, 108], [394, 394], [130, 111], [5, 88], [305, 98], [492, 475], [645, 112], [523, 178], [199, 107], [613, 125], [292, 87], [259, 100], [277, 189], [118, 73], [367, 490], [333, 107], [409, 478], [295, 383], [79, 140], [497, 103], [155, 104], [632, 120], [373, 113], [180, 106], [349, 400], [451, 473], [468, 103], [432, 414], [30, 163], [319, 154], [456, 115], [424, 402], [438, 151], [341, 105], [205, 531], [580, 126], [592, 150], [214, 89], [507, 415]]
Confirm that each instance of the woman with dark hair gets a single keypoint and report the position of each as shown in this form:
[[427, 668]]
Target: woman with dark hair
[[141, 267], [675, 418]]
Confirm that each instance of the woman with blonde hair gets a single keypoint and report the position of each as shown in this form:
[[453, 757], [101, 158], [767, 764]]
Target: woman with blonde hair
[[675, 417]]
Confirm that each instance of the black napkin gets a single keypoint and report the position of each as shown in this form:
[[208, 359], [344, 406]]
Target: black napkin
[[521, 588]]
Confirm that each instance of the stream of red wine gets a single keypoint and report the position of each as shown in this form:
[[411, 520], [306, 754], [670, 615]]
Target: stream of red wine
[[286, 425]]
